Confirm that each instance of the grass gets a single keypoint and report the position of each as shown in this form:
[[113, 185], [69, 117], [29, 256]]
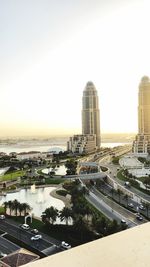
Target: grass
[[12, 175], [121, 176]]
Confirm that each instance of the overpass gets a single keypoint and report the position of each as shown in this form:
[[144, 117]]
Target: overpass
[[87, 176]]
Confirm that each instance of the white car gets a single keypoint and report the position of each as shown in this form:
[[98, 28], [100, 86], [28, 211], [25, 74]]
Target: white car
[[2, 217], [25, 226], [36, 237], [65, 245]]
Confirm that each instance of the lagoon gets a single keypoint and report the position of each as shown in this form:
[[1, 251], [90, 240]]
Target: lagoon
[[39, 199]]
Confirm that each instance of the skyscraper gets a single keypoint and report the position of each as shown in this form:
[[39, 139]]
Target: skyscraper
[[90, 112], [142, 141]]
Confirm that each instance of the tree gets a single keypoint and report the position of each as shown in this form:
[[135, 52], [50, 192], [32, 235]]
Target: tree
[[51, 214], [147, 207], [5, 204], [65, 214], [126, 197], [26, 208], [10, 206], [119, 194], [21, 208], [15, 205]]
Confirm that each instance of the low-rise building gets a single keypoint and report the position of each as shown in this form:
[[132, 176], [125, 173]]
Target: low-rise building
[[80, 144]]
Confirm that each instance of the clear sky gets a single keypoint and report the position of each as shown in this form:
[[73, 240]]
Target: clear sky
[[49, 49]]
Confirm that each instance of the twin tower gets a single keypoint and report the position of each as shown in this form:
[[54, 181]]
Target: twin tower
[[89, 140]]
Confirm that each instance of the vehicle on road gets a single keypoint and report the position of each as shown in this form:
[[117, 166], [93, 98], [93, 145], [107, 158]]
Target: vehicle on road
[[36, 237], [25, 226], [2, 217], [123, 221], [65, 245], [2, 254], [139, 217], [130, 205], [34, 231], [141, 207]]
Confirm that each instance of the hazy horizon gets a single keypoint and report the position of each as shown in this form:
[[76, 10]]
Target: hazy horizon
[[49, 50]]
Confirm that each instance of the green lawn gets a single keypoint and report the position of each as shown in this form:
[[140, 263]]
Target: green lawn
[[121, 176], [12, 175]]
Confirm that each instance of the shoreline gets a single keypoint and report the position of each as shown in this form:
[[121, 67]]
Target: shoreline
[[62, 198]]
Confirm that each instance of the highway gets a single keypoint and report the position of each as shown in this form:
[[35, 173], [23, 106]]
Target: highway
[[106, 205], [15, 231]]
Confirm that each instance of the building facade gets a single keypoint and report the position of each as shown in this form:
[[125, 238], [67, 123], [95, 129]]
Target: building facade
[[82, 144], [141, 145], [90, 112], [89, 140]]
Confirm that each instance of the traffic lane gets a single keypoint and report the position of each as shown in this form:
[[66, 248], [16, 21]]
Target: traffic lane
[[126, 202], [24, 236], [6, 246], [45, 237], [107, 210], [127, 214]]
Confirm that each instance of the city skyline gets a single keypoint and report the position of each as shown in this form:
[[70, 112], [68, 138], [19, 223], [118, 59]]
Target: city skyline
[[49, 50]]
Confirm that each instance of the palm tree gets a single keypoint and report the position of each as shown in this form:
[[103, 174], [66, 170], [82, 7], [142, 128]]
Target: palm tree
[[126, 197], [112, 192], [26, 208], [51, 214], [65, 214], [15, 205], [5, 204], [10, 206], [20, 208], [147, 207], [119, 194]]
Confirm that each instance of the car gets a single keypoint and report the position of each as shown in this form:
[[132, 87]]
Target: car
[[141, 207], [139, 217], [65, 245], [2, 217], [2, 254], [36, 237], [34, 231], [123, 221], [25, 226], [130, 205]]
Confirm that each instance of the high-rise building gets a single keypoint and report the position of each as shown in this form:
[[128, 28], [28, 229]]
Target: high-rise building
[[142, 141], [90, 112], [89, 140]]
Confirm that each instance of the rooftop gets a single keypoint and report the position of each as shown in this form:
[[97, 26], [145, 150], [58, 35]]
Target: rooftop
[[128, 248]]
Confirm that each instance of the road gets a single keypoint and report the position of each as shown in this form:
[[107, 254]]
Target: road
[[14, 230]]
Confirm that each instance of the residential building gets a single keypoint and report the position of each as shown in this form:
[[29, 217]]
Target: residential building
[[80, 144], [141, 145], [90, 112]]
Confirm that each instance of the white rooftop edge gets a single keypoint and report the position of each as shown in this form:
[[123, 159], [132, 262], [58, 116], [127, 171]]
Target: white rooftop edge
[[124, 249]]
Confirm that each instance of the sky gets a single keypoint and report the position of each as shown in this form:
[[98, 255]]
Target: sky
[[50, 49]]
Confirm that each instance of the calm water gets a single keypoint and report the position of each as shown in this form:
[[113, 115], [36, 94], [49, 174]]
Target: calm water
[[26, 147], [61, 170], [39, 199]]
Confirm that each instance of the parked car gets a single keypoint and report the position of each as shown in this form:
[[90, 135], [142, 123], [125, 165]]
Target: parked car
[[139, 217], [25, 226], [36, 237], [34, 231], [65, 245], [2, 217]]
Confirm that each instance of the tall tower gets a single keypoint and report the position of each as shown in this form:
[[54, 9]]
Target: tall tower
[[90, 112], [142, 141]]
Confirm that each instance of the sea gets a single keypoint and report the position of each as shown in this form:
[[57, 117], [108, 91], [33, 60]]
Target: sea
[[43, 145]]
